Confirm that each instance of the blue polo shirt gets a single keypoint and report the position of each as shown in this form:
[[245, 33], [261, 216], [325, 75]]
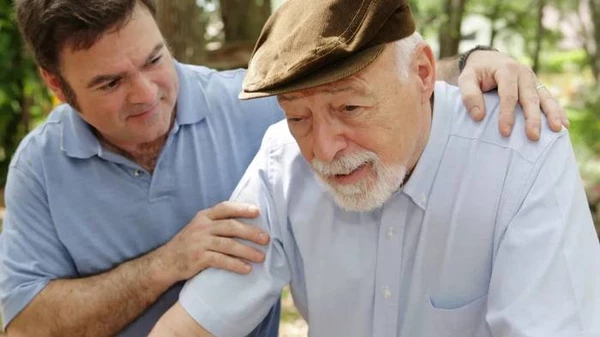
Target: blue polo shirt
[[75, 209]]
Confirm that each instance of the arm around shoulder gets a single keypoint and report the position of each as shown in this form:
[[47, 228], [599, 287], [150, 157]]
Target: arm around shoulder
[[40, 293]]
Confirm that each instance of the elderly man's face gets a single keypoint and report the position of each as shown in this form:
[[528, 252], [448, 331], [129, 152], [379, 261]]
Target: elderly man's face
[[363, 134]]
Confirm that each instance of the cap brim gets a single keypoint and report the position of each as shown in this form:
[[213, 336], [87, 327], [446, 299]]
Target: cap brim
[[332, 73]]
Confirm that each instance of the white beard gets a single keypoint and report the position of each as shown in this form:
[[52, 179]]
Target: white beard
[[367, 194]]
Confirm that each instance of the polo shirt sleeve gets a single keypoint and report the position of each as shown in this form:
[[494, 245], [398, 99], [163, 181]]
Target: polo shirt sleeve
[[546, 270], [31, 253], [229, 304]]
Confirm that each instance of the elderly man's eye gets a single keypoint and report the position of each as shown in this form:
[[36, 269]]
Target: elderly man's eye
[[350, 108]]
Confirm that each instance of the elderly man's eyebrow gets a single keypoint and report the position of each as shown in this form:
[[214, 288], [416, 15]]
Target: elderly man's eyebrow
[[99, 79], [352, 88]]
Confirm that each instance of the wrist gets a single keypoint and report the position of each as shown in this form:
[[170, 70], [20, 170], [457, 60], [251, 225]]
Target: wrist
[[462, 62], [160, 269]]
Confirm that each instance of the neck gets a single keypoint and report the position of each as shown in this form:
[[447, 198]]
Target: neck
[[424, 134], [144, 154]]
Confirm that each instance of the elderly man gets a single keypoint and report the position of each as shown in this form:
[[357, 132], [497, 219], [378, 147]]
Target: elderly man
[[390, 213], [110, 201]]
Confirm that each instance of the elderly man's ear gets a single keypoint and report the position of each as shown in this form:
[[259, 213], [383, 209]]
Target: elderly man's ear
[[424, 64]]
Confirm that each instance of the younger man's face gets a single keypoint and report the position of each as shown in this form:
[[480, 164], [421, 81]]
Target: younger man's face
[[125, 85]]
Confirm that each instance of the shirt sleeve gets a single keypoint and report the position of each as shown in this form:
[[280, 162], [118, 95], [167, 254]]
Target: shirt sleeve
[[31, 253], [546, 271], [229, 304]]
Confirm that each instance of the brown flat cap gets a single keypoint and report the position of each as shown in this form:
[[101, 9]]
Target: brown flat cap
[[305, 44]]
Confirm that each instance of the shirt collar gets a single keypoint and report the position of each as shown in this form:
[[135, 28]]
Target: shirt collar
[[78, 140], [192, 106], [418, 187]]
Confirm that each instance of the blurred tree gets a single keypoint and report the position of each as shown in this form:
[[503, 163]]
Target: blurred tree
[[587, 13], [539, 35], [244, 19], [450, 30], [507, 17], [592, 45], [183, 26], [23, 97], [242, 22], [231, 27], [427, 16]]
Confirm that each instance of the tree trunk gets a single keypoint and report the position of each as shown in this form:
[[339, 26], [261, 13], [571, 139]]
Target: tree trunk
[[594, 52], [449, 36], [493, 18], [539, 34], [182, 26], [244, 19]]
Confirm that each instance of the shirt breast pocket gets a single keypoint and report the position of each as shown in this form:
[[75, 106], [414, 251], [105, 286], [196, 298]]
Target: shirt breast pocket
[[465, 321]]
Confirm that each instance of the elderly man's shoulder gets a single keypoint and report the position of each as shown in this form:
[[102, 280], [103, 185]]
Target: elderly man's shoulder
[[278, 137], [487, 130]]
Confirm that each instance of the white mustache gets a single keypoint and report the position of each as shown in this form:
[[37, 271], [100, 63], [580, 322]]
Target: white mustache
[[344, 164]]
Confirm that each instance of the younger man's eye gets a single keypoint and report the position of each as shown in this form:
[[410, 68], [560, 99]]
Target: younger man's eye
[[110, 85]]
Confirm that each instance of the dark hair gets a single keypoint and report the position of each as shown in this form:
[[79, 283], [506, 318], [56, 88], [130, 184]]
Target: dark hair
[[50, 25]]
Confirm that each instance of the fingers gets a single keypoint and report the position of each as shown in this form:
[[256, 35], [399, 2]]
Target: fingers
[[508, 92], [234, 248], [530, 101], [235, 229], [230, 209], [471, 94], [555, 114], [222, 261], [516, 82]]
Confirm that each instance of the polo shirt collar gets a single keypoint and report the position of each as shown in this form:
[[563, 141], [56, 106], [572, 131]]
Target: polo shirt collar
[[192, 106], [418, 187], [78, 140]]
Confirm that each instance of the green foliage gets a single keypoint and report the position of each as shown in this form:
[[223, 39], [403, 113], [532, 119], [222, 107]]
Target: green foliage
[[556, 62], [585, 119], [23, 97], [428, 16]]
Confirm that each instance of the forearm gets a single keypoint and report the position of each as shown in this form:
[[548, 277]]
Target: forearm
[[99, 305], [447, 70]]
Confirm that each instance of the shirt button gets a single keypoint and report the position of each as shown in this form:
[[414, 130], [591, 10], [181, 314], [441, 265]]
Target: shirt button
[[424, 198], [387, 293], [137, 173], [390, 233]]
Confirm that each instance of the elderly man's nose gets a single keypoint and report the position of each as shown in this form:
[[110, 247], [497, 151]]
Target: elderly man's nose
[[328, 141]]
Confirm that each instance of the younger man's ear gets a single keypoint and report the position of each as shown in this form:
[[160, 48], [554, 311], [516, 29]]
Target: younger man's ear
[[54, 83]]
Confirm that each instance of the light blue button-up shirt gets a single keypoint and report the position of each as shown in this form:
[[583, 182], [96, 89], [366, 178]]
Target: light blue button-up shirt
[[490, 236], [75, 209]]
